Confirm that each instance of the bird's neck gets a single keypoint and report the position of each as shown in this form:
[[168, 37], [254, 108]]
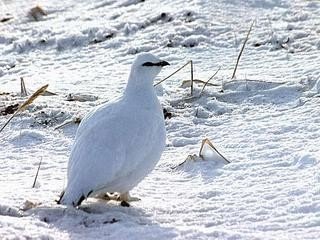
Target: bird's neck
[[140, 87]]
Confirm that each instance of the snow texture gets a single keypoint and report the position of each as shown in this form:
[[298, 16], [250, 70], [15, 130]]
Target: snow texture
[[266, 121]]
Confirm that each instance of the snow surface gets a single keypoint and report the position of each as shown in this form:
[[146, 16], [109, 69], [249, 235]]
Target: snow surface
[[266, 121]]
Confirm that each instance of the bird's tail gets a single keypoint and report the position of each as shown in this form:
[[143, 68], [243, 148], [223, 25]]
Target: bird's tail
[[60, 197], [66, 198]]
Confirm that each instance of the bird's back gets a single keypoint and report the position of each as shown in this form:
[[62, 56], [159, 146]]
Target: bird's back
[[116, 144]]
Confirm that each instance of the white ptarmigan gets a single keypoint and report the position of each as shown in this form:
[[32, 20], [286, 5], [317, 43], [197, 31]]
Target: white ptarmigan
[[119, 143]]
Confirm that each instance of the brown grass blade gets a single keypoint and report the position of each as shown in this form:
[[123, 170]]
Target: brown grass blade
[[240, 53], [171, 74], [186, 83], [207, 141], [36, 177], [206, 83], [191, 77], [30, 100], [26, 103], [23, 88]]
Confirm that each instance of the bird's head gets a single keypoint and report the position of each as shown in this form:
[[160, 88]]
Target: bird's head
[[147, 65]]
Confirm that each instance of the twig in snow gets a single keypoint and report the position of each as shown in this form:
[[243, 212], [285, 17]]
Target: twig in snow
[[191, 71], [206, 83], [36, 177], [171, 74], [240, 53], [23, 88], [186, 83], [76, 120], [207, 141], [195, 157], [39, 92]]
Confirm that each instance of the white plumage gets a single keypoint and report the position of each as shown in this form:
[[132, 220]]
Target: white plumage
[[120, 142]]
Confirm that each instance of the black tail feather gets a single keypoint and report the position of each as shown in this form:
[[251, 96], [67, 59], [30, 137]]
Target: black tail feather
[[60, 197], [80, 200], [75, 204]]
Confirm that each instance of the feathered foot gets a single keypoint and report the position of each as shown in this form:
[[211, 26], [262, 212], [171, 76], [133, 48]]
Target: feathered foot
[[117, 197], [127, 198]]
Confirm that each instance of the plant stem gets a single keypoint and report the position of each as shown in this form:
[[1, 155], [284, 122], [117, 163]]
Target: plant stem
[[240, 53]]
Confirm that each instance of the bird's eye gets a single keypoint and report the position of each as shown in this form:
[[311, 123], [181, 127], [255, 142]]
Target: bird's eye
[[148, 64]]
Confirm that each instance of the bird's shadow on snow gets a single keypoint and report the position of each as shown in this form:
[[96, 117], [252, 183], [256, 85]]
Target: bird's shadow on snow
[[106, 218]]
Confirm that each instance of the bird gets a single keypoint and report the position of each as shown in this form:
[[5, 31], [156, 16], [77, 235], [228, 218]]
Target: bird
[[120, 142]]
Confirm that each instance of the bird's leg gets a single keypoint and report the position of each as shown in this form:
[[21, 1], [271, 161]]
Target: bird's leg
[[127, 198]]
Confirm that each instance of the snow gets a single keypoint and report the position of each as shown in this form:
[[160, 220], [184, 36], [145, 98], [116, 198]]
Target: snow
[[266, 121]]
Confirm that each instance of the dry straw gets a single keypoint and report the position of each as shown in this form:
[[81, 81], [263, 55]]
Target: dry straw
[[23, 106], [240, 53], [192, 80], [36, 176], [207, 141]]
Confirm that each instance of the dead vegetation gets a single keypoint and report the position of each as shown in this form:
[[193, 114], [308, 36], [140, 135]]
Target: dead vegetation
[[23, 88], [205, 83], [37, 13], [36, 176], [241, 51], [202, 155], [9, 109], [192, 80], [25, 104]]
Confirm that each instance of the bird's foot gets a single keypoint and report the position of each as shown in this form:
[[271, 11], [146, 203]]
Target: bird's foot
[[127, 198], [121, 197], [108, 196]]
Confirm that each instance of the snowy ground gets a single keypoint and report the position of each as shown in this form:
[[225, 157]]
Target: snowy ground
[[266, 122]]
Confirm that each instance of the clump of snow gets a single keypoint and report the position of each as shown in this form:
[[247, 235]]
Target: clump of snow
[[27, 137], [305, 161], [316, 87]]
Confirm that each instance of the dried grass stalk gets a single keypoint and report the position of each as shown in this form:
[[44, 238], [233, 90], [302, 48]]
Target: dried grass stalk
[[207, 141], [191, 77], [206, 83], [36, 177], [39, 92], [76, 120], [23, 88], [172, 74], [186, 83], [240, 53]]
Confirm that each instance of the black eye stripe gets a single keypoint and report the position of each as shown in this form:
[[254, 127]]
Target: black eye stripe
[[149, 64]]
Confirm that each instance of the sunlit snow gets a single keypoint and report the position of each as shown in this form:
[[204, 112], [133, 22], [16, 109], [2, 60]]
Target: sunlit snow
[[266, 121]]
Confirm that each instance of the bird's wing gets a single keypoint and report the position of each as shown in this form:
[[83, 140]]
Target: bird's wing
[[97, 113], [106, 148]]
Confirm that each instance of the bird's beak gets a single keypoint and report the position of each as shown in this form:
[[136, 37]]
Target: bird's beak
[[163, 63]]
